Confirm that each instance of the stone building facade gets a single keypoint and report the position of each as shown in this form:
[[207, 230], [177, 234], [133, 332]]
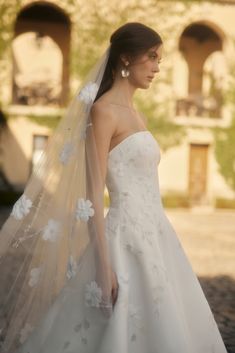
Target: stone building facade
[[38, 80]]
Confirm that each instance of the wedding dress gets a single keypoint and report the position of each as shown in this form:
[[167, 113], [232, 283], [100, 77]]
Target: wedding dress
[[161, 307]]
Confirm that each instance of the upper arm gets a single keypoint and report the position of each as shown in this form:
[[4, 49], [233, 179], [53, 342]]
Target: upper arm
[[103, 124]]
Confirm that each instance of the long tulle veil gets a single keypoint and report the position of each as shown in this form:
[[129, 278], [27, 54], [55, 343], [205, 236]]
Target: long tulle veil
[[54, 239]]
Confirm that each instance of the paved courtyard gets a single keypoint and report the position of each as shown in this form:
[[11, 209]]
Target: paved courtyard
[[208, 239]]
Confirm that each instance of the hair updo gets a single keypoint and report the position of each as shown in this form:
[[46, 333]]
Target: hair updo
[[132, 39]]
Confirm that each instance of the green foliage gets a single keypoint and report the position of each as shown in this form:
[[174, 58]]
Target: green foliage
[[103, 18], [167, 133], [175, 200], [50, 121], [100, 22], [93, 38], [225, 152], [225, 137], [225, 203], [45, 120], [8, 11]]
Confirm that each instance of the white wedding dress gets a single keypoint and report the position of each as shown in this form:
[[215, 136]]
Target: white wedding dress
[[161, 307]]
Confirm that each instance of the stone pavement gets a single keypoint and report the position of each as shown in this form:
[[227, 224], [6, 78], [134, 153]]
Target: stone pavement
[[208, 239], [209, 242]]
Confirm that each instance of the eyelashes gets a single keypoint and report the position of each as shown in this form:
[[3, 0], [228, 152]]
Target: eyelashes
[[154, 57]]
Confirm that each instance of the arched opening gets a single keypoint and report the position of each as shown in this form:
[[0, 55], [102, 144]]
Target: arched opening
[[214, 81], [197, 42], [41, 55]]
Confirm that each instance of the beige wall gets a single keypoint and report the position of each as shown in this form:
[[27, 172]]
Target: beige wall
[[18, 147], [17, 142]]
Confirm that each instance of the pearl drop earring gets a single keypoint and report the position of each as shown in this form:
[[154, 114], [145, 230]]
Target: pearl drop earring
[[125, 72]]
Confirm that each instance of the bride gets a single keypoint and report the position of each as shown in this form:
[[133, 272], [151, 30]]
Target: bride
[[75, 281]]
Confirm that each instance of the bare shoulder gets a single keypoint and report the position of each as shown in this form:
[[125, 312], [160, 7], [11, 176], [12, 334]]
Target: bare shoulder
[[102, 115]]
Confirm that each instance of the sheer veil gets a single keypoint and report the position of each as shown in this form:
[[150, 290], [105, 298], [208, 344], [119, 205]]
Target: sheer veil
[[54, 239]]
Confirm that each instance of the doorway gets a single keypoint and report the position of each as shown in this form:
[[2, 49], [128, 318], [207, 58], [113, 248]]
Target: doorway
[[198, 165]]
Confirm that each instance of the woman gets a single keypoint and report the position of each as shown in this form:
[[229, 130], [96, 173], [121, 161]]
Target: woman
[[82, 283]]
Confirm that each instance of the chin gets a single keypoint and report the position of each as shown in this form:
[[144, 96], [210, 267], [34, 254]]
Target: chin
[[145, 85]]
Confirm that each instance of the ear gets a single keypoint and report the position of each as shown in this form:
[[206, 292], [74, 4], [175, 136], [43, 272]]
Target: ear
[[124, 59]]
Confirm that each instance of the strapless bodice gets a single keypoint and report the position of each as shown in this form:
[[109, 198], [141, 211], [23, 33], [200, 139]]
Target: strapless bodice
[[132, 169]]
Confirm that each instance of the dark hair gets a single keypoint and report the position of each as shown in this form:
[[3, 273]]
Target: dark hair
[[132, 39]]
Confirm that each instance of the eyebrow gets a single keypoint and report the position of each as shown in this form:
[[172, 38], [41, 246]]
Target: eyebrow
[[154, 52]]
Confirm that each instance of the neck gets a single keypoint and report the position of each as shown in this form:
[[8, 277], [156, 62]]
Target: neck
[[122, 92]]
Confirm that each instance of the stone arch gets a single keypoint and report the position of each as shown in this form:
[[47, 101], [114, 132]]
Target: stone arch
[[197, 42], [47, 20]]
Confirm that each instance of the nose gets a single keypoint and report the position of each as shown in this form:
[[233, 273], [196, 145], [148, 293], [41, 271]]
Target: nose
[[156, 68]]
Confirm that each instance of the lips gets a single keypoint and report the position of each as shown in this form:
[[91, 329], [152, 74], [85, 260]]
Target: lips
[[150, 77]]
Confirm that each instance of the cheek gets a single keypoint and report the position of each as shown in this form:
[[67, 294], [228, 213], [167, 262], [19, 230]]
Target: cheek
[[141, 71]]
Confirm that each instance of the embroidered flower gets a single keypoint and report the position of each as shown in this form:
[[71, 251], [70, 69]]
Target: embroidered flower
[[84, 210], [123, 278], [135, 321], [51, 230], [34, 276], [66, 152], [93, 294], [25, 332], [134, 313], [82, 329], [72, 268], [22, 207], [132, 249], [119, 169], [88, 93]]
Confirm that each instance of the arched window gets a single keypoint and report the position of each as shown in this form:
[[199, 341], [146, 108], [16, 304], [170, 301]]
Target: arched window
[[41, 56], [197, 42], [37, 70]]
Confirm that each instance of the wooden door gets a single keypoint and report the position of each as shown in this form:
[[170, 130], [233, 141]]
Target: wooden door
[[198, 161]]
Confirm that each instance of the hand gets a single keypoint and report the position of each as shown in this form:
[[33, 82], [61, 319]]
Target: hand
[[115, 286], [108, 293]]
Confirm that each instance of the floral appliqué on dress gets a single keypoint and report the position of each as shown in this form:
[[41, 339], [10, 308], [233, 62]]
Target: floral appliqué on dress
[[93, 294]]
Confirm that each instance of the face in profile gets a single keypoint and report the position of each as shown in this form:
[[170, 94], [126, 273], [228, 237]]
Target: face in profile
[[144, 68]]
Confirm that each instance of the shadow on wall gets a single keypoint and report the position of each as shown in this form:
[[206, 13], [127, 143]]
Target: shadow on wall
[[13, 162]]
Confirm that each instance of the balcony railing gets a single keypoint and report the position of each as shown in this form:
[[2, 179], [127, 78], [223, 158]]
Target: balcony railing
[[199, 106]]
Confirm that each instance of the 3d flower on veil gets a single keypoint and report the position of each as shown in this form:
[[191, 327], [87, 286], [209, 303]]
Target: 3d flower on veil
[[88, 93], [22, 207], [39, 255], [66, 152], [72, 268], [26, 330], [51, 231], [84, 210], [34, 276]]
